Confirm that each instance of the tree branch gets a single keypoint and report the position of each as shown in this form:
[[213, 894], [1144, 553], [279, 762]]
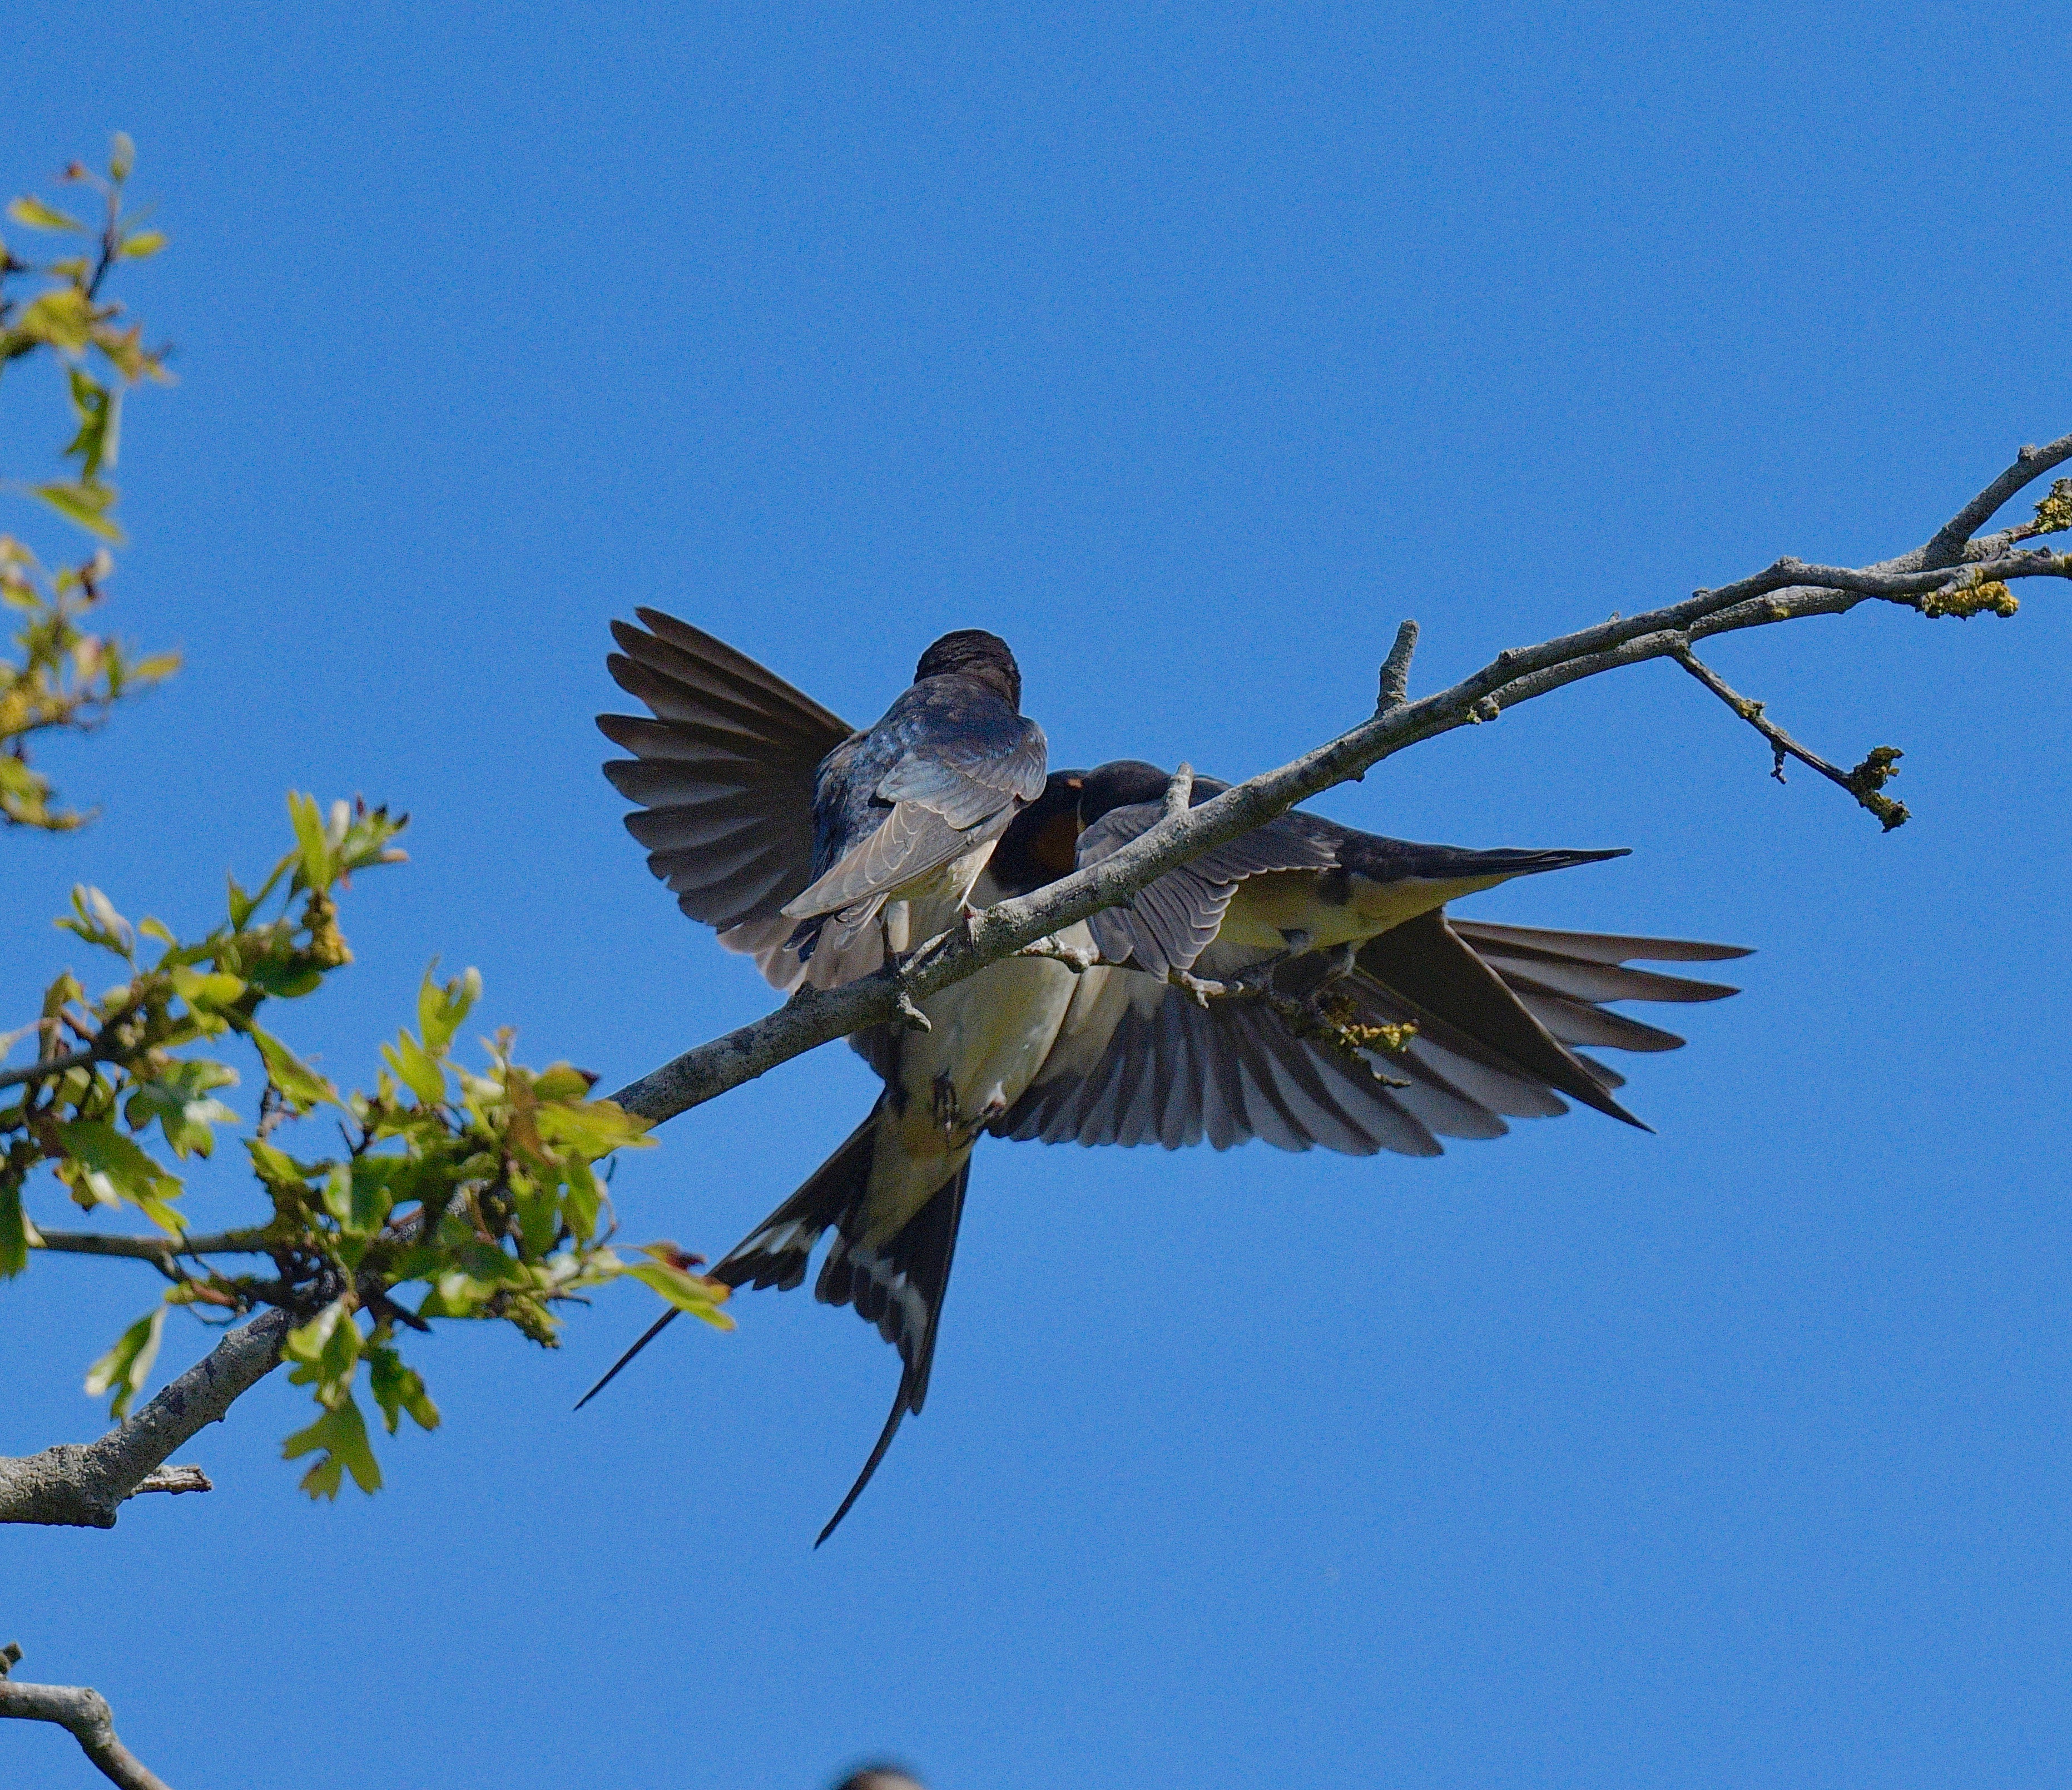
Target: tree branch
[[85, 1714], [1950, 575], [1863, 782], [160, 1251], [83, 1485]]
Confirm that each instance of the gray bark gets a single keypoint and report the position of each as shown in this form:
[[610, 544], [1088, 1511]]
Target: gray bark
[[83, 1484], [85, 1715]]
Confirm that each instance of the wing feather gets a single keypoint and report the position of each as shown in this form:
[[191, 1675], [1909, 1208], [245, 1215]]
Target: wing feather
[[724, 774]]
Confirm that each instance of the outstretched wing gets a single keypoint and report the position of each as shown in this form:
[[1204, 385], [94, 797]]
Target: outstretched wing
[[1137, 1061], [724, 774]]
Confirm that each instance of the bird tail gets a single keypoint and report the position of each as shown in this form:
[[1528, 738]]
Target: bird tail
[[898, 1285], [1426, 964], [776, 1252]]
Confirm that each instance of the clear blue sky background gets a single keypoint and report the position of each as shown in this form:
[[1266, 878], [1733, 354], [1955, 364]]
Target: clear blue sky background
[[1191, 347]]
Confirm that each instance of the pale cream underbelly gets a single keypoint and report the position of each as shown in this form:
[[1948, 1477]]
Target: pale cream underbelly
[[1267, 909], [988, 1036]]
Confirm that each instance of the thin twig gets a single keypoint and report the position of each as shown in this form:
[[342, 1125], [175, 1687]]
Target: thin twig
[[156, 1249], [1863, 782], [49, 1069]]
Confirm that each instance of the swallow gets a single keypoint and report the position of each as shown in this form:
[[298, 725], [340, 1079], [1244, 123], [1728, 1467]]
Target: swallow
[[1492, 1017], [817, 848], [1121, 1053]]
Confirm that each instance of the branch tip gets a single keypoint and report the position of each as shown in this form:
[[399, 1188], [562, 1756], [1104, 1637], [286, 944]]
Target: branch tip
[[1395, 668], [1863, 782]]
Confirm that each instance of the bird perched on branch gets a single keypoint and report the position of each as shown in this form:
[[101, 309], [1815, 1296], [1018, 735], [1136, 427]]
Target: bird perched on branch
[[1301, 985]]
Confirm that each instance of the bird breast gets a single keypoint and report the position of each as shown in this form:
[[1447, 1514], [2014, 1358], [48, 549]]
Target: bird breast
[[1333, 907]]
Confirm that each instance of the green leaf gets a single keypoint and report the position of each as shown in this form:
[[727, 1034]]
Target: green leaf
[[421, 1073], [341, 1432], [596, 1127], [112, 1168], [206, 989], [299, 1086], [94, 919], [687, 1292], [30, 210], [180, 1099], [100, 413], [63, 317], [584, 1199], [86, 503], [276, 1168], [441, 1009], [328, 1347], [18, 1236], [367, 1199], [143, 244], [398, 1389], [124, 1368], [314, 871]]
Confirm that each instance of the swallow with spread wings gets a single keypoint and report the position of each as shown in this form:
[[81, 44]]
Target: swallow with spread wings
[[768, 817]]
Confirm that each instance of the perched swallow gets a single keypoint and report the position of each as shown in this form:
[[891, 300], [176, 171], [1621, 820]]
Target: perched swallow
[[813, 846], [1116, 1054], [1497, 1010]]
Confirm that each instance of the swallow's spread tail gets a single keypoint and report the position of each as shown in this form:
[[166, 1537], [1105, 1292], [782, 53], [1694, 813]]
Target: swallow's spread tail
[[898, 1286], [776, 1252]]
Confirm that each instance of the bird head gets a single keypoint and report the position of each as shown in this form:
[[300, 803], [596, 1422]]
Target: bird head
[[972, 653], [1042, 843]]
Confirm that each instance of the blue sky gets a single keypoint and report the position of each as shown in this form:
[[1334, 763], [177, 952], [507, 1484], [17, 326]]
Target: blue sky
[[1189, 347]]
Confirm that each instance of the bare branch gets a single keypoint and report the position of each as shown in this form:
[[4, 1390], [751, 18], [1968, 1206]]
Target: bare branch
[[83, 1485], [48, 1068], [2029, 465], [1946, 576], [84, 1714], [1863, 782], [160, 1251], [1179, 791], [1395, 668]]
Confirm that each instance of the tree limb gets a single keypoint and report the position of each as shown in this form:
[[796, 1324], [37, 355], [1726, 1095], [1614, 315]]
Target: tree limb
[[1950, 575], [160, 1251], [83, 1485], [83, 1713]]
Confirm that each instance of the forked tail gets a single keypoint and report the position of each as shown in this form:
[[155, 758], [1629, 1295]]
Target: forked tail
[[897, 1285]]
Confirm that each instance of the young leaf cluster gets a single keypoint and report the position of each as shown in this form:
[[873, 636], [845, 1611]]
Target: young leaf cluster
[[453, 1193], [66, 677], [68, 316]]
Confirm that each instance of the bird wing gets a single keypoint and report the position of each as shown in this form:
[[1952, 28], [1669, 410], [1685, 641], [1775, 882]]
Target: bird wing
[[724, 773], [1138, 1061], [1172, 922]]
